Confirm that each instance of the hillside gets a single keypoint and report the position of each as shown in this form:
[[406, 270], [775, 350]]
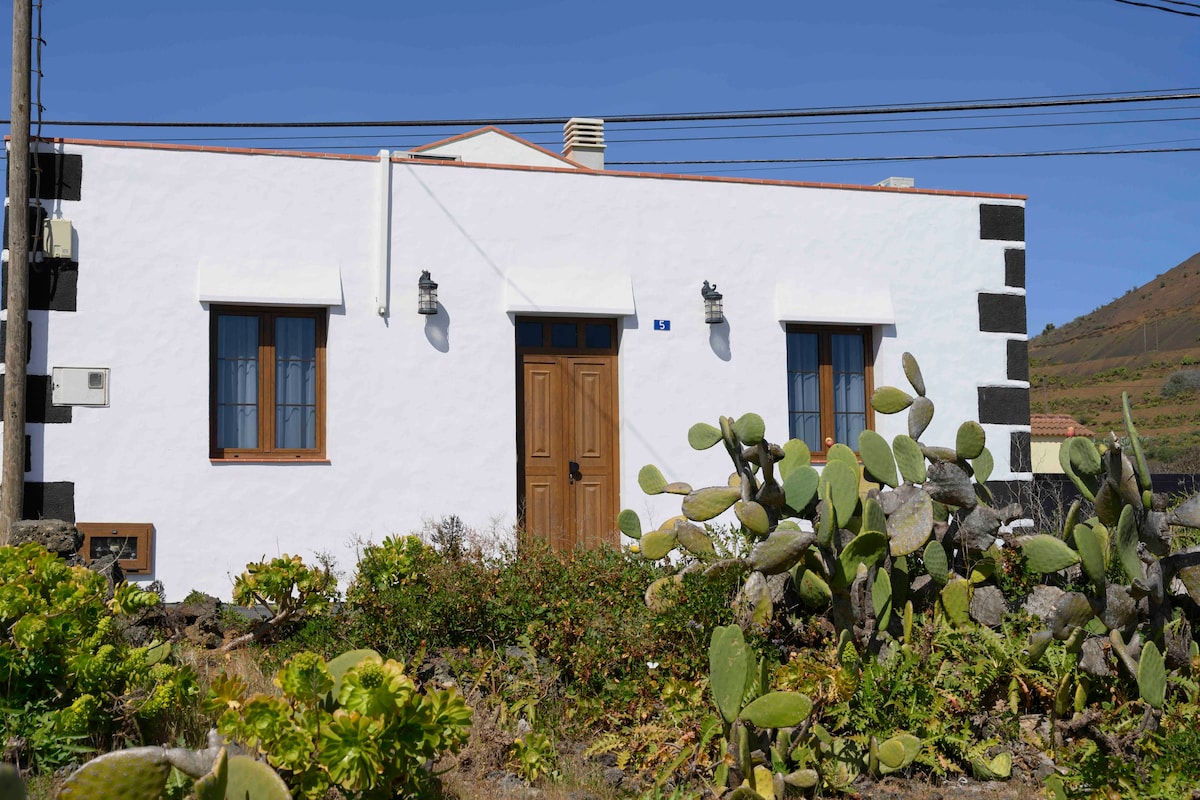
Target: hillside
[[1134, 344]]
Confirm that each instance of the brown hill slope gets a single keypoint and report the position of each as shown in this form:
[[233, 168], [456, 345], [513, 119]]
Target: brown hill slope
[[1134, 344]]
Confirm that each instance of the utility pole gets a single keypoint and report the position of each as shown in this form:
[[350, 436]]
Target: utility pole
[[12, 458]]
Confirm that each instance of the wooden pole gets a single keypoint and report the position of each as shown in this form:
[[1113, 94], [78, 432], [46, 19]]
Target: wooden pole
[[12, 457]]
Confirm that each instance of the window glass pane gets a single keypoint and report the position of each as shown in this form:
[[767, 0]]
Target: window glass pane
[[295, 382], [807, 428], [802, 352], [847, 352], [564, 334], [804, 389], [237, 381], [598, 337], [847, 427], [529, 334]]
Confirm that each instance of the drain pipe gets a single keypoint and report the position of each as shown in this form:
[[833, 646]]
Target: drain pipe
[[383, 232]]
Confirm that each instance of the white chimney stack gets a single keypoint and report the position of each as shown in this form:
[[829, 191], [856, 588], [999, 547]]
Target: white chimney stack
[[584, 141]]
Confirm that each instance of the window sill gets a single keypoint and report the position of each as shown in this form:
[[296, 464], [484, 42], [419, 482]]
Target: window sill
[[271, 460]]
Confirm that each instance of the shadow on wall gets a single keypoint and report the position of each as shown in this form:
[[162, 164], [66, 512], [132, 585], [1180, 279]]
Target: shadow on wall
[[718, 340], [437, 329]]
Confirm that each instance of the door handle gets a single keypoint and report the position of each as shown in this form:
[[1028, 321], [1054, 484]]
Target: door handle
[[572, 471]]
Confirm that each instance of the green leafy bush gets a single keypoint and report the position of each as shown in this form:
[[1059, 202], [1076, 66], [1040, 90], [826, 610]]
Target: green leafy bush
[[358, 723], [1184, 381], [583, 611], [71, 683]]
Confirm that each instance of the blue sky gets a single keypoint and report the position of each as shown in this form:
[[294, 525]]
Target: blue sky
[[1096, 226]]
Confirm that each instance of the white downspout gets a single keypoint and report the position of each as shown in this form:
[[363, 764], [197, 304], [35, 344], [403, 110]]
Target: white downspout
[[383, 232]]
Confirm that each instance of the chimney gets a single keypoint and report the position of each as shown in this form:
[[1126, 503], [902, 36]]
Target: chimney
[[584, 141], [897, 183]]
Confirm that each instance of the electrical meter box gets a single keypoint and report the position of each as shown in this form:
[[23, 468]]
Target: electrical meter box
[[58, 239], [79, 386]]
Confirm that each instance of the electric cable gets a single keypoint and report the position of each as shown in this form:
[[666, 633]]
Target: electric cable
[[1161, 8]]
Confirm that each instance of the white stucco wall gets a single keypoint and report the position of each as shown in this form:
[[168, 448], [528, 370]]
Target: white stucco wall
[[421, 410]]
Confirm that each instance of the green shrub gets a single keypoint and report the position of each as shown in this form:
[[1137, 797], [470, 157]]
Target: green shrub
[[71, 683], [583, 611], [1180, 382], [361, 725]]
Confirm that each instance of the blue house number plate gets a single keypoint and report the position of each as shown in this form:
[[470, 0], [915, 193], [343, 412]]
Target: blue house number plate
[[662, 324]]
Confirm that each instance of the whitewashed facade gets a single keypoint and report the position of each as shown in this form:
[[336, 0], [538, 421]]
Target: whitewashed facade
[[421, 411]]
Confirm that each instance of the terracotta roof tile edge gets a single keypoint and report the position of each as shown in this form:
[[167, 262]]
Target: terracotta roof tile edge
[[189, 148]]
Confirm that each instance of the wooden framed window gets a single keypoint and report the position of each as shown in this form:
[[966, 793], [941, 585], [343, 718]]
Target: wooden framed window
[[131, 542], [267, 383], [830, 383]]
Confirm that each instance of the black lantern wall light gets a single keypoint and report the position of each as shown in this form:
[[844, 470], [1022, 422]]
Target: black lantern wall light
[[427, 302], [713, 314]]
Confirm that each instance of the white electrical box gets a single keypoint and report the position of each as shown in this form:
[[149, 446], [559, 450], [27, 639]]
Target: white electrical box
[[79, 386], [58, 240]]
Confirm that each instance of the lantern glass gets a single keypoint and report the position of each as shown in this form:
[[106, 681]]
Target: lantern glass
[[427, 302], [713, 313]]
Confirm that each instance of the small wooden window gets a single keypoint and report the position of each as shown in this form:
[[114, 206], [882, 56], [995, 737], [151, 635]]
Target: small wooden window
[[830, 383], [267, 383], [131, 542]]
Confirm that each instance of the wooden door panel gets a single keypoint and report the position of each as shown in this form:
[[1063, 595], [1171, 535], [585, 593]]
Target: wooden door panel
[[595, 520], [543, 508], [568, 408], [593, 442]]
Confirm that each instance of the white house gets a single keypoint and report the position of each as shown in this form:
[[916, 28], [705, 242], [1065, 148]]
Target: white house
[[228, 362]]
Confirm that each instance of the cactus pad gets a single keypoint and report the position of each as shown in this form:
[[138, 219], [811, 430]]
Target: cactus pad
[[678, 487], [995, 769], [877, 457], [843, 453], [909, 458], [651, 480], [1143, 471], [970, 440], [910, 525], [728, 662], [873, 518], [881, 598], [780, 551], [702, 436], [778, 710], [983, 464], [214, 785], [704, 504], [11, 785], [1045, 553], [936, 562], [919, 417], [956, 602], [843, 489], [661, 593], [795, 455], [254, 779], [629, 523], [814, 591], [890, 400], [1091, 555], [1152, 676], [750, 428], [136, 774], [656, 544], [867, 548], [1127, 542], [800, 487], [912, 371], [693, 539], [753, 516]]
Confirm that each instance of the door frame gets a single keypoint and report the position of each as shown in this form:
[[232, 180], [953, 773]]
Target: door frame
[[579, 349]]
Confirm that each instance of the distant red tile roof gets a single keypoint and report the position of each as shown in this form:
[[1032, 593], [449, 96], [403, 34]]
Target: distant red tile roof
[[1062, 425]]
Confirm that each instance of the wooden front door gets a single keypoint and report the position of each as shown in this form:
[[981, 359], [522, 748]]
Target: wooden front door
[[568, 430]]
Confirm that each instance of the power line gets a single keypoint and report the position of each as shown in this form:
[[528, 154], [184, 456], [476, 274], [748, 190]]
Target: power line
[[1161, 8], [887, 159], [828, 111]]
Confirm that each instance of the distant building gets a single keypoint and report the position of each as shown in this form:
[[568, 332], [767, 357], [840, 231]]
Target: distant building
[[1047, 432]]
